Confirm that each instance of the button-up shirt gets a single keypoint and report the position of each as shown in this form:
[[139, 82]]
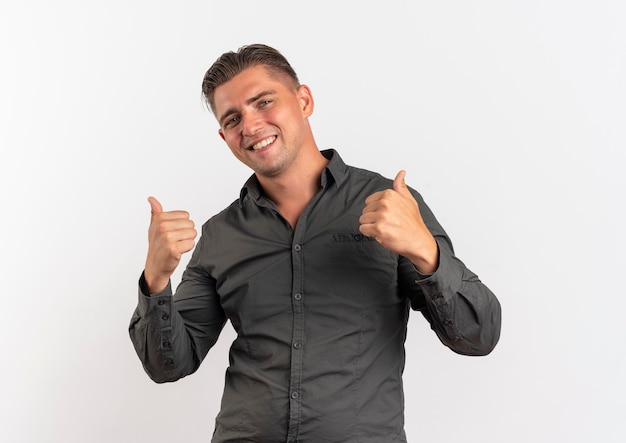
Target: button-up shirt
[[320, 313]]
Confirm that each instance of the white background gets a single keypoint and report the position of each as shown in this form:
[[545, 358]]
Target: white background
[[508, 116]]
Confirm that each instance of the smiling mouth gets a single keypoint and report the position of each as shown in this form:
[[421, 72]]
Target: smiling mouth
[[262, 144]]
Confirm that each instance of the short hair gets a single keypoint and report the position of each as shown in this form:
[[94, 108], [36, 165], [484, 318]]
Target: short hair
[[229, 64]]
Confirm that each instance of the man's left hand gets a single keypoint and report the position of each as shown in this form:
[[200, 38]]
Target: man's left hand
[[393, 218]]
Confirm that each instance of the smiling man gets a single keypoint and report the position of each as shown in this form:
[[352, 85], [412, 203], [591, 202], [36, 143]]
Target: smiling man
[[316, 265]]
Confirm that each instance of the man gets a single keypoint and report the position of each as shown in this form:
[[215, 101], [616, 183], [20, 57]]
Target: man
[[316, 265]]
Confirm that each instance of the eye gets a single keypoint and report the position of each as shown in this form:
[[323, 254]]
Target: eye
[[232, 121], [265, 102]]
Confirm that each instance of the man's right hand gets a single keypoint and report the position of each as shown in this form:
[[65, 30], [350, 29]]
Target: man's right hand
[[170, 235]]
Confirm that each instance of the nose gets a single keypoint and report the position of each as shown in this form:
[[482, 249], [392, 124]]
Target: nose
[[251, 123]]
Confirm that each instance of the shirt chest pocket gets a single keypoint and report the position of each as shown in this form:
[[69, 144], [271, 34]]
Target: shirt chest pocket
[[356, 267]]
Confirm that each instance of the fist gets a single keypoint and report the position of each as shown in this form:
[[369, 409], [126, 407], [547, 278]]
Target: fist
[[170, 235], [393, 218]]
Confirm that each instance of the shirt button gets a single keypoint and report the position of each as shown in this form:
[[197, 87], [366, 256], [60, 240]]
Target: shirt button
[[298, 296], [165, 317], [457, 338], [295, 394], [161, 302], [297, 345], [166, 344], [297, 248], [447, 321]]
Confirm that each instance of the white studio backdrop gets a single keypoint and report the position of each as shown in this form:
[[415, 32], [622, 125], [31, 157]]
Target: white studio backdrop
[[508, 116]]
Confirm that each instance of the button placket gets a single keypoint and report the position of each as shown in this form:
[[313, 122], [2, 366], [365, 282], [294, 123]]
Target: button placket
[[297, 338]]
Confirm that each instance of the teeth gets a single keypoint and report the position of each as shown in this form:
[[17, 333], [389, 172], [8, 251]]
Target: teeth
[[263, 143]]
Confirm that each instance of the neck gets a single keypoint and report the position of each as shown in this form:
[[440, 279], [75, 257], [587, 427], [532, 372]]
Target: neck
[[294, 189]]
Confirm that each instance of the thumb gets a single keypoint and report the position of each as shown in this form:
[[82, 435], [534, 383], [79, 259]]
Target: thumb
[[155, 206], [398, 183]]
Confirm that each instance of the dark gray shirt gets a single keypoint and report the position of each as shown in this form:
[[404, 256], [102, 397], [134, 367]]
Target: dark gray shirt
[[320, 314]]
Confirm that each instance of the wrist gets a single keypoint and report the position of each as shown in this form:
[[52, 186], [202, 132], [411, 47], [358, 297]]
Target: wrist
[[427, 260], [155, 283]]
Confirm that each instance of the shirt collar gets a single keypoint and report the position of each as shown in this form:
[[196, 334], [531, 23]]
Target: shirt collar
[[335, 172]]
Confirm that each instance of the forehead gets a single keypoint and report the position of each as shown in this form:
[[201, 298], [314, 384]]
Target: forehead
[[247, 84]]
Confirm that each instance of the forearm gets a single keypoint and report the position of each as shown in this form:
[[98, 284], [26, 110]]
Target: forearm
[[169, 345], [151, 331], [463, 312]]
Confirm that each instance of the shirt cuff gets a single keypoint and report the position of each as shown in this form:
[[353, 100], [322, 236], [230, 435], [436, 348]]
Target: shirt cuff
[[445, 281], [155, 309]]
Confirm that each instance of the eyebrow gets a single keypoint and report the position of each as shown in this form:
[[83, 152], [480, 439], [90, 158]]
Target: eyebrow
[[248, 102]]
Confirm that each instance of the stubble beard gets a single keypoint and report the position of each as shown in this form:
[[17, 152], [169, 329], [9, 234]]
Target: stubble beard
[[278, 166]]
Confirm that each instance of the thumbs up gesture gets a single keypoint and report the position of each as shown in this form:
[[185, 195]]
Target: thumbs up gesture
[[170, 235], [393, 218]]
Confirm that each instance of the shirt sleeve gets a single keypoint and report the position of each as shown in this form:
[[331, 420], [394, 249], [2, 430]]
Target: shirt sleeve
[[173, 334], [463, 312]]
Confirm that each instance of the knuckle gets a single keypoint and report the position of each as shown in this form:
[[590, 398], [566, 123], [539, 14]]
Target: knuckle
[[384, 205]]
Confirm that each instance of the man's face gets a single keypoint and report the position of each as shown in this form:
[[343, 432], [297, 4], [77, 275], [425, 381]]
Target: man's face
[[263, 119]]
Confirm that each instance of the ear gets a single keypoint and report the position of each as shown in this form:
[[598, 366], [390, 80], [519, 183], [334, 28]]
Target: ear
[[307, 103], [221, 133]]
